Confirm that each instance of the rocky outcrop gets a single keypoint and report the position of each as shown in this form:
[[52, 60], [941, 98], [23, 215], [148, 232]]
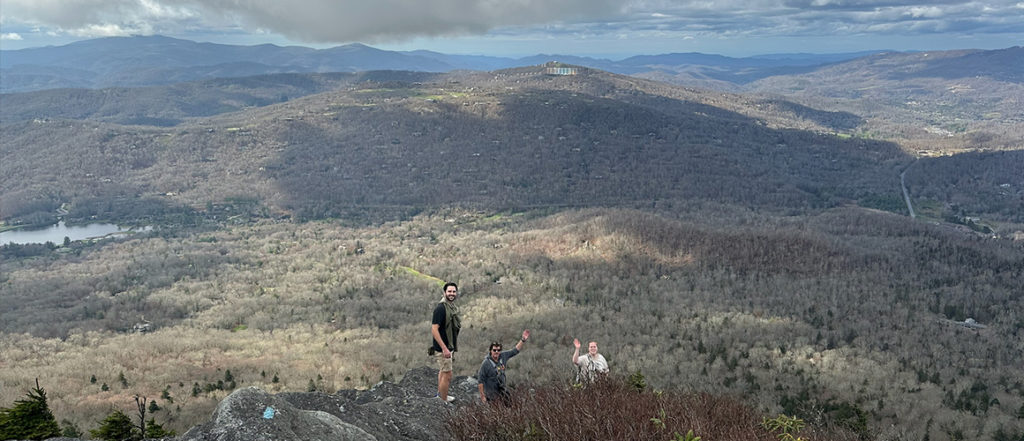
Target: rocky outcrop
[[407, 410]]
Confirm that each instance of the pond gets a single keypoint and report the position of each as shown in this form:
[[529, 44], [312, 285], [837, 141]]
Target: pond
[[57, 233]]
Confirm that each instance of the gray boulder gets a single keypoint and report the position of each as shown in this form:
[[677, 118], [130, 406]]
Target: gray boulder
[[253, 414], [404, 411], [408, 410]]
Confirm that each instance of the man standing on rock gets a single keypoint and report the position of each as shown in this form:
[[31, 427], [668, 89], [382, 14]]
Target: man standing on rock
[[444, 328], [491, 376]]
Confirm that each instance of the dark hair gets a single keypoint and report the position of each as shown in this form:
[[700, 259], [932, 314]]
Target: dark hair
[[493, 344], [446, 285]]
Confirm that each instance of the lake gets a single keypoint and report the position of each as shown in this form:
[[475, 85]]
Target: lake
[[56, 233]]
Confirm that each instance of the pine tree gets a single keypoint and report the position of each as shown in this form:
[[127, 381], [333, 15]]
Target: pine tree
[[154, 430], [115, 427], [30, 418]]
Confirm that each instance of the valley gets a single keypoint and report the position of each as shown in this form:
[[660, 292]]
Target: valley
[[742, 245]]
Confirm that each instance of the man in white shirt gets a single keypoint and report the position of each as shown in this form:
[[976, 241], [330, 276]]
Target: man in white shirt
[[590, 364]]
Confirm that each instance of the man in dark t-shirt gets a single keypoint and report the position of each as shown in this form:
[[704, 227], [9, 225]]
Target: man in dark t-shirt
[[444, 331], [491, 376]]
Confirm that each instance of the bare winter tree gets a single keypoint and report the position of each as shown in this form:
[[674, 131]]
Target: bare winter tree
[[140, 402]]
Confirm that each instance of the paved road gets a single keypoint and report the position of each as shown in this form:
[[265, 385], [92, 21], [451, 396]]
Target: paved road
[[906, 194]]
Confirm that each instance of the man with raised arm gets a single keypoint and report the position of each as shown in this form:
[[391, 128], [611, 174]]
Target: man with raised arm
[[491, 376]]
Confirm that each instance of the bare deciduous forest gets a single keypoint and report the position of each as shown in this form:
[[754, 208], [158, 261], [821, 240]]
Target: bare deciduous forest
[[849, 307], [701, 238]]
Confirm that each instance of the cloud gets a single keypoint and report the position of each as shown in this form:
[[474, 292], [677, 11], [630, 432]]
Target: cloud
[[10, 36], [309, 20], [382, 21]]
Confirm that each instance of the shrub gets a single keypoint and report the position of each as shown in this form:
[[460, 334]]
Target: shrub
[[154, 430], [70, 430], [30, 418], [786, 426], [115, 427], [612, 408]]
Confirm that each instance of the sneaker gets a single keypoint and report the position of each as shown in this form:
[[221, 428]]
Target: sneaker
[[450, 398]]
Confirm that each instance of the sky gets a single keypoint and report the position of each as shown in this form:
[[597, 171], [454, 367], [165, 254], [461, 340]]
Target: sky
[[611, 29]]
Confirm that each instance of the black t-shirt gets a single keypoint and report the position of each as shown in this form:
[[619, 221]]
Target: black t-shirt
[[439, 319]]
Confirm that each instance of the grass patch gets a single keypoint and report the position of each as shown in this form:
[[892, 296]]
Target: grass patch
[[420, 275], [930, 208]]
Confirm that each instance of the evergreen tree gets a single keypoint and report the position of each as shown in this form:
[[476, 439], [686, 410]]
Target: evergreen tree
[[115, 427], [154, 430], [70, 429], [30, 418]]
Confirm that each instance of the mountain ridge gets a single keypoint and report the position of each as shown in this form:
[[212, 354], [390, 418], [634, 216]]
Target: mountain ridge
[[591, 138], [119, 56], [932, 101]]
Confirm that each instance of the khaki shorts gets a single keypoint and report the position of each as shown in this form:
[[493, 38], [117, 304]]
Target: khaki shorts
[[444, 364]]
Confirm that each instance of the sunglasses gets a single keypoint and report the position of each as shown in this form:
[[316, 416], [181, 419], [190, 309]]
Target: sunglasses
[[496, 350]]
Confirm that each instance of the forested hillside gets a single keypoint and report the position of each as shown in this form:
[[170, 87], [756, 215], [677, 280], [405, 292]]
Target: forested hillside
[[173, 105], [936, 102], [743, 246], [516, 139], [846, 316]]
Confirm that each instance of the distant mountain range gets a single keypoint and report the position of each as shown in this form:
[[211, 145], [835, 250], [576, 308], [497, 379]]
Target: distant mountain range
[[930, 101], [155, 60]]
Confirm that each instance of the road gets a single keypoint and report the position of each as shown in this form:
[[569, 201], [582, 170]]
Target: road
[[906, 194]]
